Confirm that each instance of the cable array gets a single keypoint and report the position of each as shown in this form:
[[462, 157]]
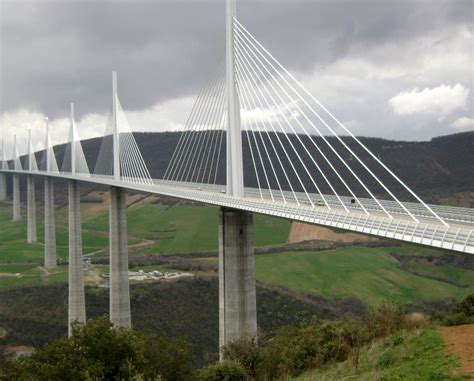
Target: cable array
[[74, 147], [132, 165], [48, 153], [296, 152], [200, 153]]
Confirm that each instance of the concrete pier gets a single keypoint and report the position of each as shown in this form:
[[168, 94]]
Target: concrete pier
[[50, 259], [77, 305], [31, 210], [16, 197], [3, 186], [237, 296], [119, 286]]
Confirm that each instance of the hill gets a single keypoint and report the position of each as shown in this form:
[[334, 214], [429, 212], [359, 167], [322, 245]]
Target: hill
[[439, 170]]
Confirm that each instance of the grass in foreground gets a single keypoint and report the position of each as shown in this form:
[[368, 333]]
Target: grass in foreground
[[406, 356]]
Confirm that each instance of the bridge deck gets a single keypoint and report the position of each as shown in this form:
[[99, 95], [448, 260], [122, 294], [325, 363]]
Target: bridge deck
[[429, 231]]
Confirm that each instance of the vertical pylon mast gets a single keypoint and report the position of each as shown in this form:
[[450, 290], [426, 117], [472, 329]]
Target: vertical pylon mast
[[4, 164], [48, 154], [116, 143], [235, 178], [73, 141], [15, 154], [30, 152]]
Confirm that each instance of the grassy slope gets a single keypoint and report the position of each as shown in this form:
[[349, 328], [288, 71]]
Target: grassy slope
[[187, 228], [181, 228], [406, 356], [13, 246], [16, 256], [369, 274]]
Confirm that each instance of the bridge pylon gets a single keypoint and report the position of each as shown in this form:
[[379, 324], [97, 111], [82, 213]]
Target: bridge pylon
[[16, 183], [120, 314], [237, 293], [235, 177], [3, 176], [50, 255], [32, 237], [76, 296]]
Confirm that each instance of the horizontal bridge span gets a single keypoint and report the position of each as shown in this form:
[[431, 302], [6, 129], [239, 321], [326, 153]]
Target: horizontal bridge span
[[458, 236]]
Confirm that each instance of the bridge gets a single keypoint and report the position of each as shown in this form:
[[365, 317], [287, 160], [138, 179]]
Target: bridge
[[301, 163]]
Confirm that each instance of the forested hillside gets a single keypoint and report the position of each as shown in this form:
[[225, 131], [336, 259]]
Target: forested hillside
[[440, 170]]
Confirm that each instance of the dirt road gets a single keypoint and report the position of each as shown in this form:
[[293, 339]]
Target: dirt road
[[460, 340]]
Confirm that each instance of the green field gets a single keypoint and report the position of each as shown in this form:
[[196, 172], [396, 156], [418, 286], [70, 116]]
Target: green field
[[176, 229], [370, 274], [188, 228], [13, 246]]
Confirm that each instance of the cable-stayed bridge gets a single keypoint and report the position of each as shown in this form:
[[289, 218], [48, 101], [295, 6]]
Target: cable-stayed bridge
[[301, 163]]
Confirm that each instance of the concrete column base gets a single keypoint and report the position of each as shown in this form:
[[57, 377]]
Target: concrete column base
[[77, 304], [3, 186], [16, 197], [31, 210], [50, 259], [237, 295], [120, 314]]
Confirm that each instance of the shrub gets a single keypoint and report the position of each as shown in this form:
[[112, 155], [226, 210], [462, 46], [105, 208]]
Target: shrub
[[168, 357], [466, 306], [98, 351], [383, 321], [246, 352], [414, 320], [223, 371], [295, 350], [463, 312]]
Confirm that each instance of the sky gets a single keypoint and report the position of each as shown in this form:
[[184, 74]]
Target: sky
[[393, 69]]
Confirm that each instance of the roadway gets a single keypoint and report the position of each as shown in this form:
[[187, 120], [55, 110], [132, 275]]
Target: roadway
[[427, 230]]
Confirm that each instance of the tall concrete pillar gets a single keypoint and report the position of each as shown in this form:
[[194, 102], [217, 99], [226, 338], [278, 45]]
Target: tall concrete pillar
[[31, 210], [3, 186], [16, 197], [77, 304], [237, 296], [119, 286], [50, 259]]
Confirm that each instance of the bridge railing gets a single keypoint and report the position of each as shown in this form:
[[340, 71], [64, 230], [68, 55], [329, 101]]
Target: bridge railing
[[431, 234]]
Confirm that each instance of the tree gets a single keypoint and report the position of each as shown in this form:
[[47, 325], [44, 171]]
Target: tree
[[99, 351]]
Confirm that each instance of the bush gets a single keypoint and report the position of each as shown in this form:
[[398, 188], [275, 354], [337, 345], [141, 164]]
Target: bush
[[99, 351], [168, 357], [463, 312], [414, 320], [466, 306], [246, 352], [223, 371], [383, 321], [296, 349]]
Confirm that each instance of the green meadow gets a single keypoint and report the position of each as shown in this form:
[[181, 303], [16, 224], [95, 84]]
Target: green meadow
[[369, 274], [188, 228]]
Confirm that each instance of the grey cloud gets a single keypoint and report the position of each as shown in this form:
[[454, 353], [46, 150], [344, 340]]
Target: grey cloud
[[57, 51]]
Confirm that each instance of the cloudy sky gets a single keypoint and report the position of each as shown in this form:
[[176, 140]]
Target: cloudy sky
[[394, 69]]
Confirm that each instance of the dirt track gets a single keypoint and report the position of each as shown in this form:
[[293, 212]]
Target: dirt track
[[460, 340], [305, 232]]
